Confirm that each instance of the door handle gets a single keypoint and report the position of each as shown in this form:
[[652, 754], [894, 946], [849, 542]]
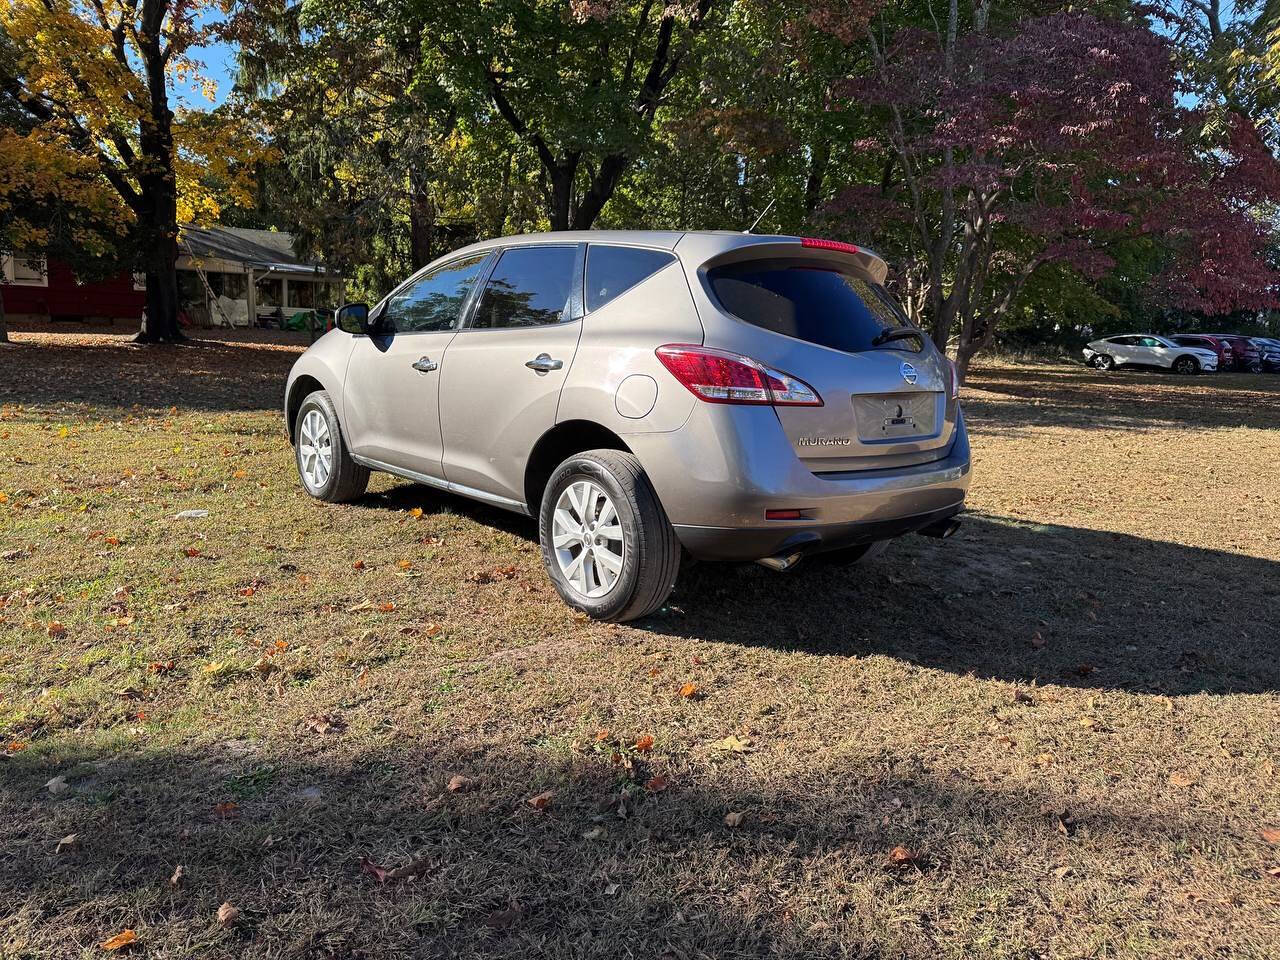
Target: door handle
[[544, 364], [425, 365]]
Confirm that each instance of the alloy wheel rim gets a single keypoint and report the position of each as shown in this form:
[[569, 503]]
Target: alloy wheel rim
[[315, 450], [587, 538]]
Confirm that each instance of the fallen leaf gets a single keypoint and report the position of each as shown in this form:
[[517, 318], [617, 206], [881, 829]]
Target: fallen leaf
[[1038, 641], [688, 690], [542, 800], [733, 819], [112, 541], [1021, 696], [900, 858], [179, 874], [361, 606], [373, 870], [228, 915], [56, 629], [433, 630], [459, 784], [248, 591], [191, 552], [69, 842], [416, 513], [358, 565], [602, 736], [1271, 834], [405, 564], [324, 723], [734, 744], [226, 808], [1044, 759], [1273, 872], [656, 784], [1089, 723], [125, 938], [1180, 779], [239, 474], [595, 833], [1061, 872], [644, 744], [386, 607], [501, 919]]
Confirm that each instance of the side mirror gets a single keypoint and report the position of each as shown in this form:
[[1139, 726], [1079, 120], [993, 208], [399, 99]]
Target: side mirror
[[353, 318]]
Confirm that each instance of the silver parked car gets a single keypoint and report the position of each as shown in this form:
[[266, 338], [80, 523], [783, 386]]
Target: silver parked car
[[741, 397]]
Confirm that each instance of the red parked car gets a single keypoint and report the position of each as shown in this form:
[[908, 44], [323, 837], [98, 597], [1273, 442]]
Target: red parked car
[[1245, 353], [1219, 345]]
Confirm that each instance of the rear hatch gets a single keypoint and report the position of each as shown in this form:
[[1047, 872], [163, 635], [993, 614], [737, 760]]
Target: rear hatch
[[822, 314]]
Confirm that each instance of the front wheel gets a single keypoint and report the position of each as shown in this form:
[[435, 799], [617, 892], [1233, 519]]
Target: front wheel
[[325, 465], [606, 541], [1186, 366], [1103, 362]]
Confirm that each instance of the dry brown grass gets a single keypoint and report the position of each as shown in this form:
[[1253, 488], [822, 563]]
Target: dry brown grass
[[1067, 714]]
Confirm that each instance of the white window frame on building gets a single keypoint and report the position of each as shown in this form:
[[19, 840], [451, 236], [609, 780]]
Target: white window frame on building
[[25, 275]]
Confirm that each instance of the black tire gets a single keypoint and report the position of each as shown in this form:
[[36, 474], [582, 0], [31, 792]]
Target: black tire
[[650, 553], [346, 479], [1102, 361], [1186, 366], [849, 556]]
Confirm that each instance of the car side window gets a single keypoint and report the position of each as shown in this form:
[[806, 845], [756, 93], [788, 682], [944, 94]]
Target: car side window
[[1150, 342], [1123, 341], [529, 287], [434, 301], [612, 271]]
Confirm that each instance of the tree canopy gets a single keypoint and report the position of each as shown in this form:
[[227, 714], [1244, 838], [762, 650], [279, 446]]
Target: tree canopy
[[1023, 162]]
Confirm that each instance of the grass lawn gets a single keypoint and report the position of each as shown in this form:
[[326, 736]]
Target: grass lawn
[[1055, 735]]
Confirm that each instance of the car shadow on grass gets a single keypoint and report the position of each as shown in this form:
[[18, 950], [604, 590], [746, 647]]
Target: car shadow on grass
[[607, 869], [1003, 599], [1023, 602]]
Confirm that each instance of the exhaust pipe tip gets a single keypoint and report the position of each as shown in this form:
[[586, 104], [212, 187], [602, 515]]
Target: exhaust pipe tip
[[781, 563], [942, 529]]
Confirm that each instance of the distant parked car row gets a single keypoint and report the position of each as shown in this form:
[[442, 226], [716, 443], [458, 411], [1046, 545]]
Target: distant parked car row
[[1186, 353]]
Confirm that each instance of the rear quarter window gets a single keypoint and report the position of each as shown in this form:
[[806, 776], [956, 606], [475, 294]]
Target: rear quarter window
[[810, 300], [612, 271]]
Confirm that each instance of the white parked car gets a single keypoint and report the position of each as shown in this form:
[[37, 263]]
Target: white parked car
[[1149, 350]]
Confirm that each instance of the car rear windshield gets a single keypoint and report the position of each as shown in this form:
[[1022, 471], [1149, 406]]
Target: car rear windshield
[[813, 301]]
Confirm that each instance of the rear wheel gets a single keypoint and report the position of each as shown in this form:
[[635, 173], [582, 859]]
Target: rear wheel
[[325, 465], [1103, 361], [1186, 366], [606, 541]]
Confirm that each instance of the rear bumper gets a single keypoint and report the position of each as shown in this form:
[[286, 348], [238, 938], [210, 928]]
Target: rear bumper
[[716, 478], [738, 543]]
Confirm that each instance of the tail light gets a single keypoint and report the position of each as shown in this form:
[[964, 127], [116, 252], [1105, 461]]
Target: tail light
[[718, 376], [953, 379]]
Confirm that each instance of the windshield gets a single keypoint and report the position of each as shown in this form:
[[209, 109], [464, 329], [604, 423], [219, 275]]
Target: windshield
[[813, 301]]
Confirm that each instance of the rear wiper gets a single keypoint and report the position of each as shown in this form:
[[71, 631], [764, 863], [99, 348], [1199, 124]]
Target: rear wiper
[[896, 333]]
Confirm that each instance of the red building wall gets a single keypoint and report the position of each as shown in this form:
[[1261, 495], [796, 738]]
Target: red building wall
[[63, 297]]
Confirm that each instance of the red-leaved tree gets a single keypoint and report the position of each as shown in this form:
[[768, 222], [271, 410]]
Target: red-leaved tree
[[1048, 140]]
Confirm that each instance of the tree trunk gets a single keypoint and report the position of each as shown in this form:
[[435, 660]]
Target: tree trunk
[[422, 222], [562, 175], [157, 188], [4, 327], [160, 323]]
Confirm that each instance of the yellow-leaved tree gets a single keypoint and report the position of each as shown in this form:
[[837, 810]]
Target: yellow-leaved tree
[[96, 80]]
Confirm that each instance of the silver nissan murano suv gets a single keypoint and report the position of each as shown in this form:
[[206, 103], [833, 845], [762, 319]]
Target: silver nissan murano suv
[[735, 396]]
